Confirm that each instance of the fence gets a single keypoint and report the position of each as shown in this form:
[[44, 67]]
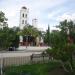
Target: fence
[[10, 61], [22, 60]]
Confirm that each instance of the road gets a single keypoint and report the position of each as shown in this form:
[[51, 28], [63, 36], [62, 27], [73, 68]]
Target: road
[[23, 51]]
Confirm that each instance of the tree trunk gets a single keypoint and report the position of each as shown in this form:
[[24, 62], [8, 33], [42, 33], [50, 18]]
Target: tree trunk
[[65, 69], [71, 62]]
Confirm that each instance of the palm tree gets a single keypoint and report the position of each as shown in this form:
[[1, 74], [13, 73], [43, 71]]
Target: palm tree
[[30, 31]]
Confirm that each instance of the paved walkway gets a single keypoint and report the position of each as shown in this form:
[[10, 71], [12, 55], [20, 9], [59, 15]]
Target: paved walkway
[[17, 54], [23, 51], [33, 48]]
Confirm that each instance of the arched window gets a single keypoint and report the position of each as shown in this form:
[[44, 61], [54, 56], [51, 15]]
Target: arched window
[[23, 15], [26, 15], [22, 21], [25, 21]]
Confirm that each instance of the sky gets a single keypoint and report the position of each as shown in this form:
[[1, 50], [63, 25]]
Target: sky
[[48, 12]]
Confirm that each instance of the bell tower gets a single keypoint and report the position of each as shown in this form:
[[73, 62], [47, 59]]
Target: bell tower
[[34, 23], [23, 17], [23, 22]]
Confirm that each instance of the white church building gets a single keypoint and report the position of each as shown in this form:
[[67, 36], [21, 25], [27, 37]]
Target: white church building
[[24, 22]]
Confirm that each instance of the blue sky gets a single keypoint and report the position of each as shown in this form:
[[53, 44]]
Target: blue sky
[[46, 11]]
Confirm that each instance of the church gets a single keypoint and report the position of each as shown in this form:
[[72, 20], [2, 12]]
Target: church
[[25, 40]]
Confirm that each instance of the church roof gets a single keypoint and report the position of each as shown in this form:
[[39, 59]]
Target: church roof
[[24, 7]]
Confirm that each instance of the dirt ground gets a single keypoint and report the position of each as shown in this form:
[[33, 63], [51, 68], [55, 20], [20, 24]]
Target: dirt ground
[[57, 71]]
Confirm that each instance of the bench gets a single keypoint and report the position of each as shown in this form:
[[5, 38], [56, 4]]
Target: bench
[[39, 57]]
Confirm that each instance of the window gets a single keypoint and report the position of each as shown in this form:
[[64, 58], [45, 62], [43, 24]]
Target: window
[[26, 15], [23, 15], [25, 21], [22, 21]]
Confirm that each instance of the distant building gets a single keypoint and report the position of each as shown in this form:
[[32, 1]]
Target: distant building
[[23, 23], [40, 29], [40, 38], [34, 23], [55, 30]]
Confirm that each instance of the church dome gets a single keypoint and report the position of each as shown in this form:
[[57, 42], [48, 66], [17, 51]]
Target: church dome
[[24, 7]]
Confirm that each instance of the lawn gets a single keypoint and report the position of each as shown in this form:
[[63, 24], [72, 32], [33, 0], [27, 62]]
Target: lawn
[[50, 68], [33, 69]]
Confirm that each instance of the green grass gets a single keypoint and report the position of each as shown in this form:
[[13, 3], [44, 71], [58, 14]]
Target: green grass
[[33, 69]]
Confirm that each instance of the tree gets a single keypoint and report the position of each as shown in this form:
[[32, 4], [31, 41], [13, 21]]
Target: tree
[[63, 46], [30, 30], [47, 37], [8, 38], [3, 20], [67, 27], [15, 41], [30, 34], [2, 17]]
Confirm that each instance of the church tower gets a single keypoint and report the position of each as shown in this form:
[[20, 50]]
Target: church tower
[[23, 17], [23, 22], [34, 23]]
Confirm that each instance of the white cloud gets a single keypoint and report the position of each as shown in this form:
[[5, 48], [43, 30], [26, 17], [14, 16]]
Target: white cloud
[[36, 8], [52, 14], [68, 16]]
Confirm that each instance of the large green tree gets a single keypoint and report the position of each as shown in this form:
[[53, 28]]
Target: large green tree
[[63, 46], [8, 35], [68, 28], [30, 30]]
